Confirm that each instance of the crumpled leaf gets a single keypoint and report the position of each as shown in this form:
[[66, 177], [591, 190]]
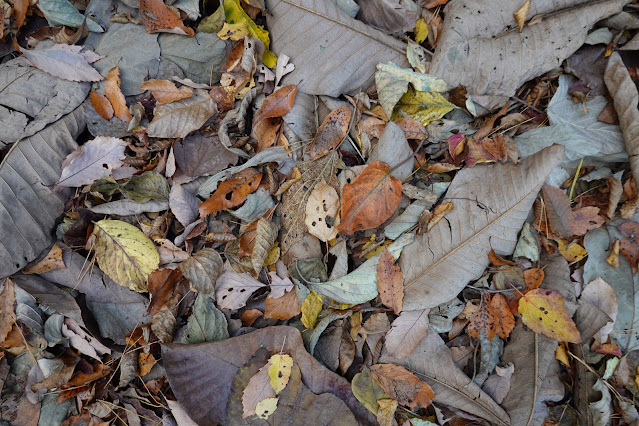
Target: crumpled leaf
[[158, 17], [203, 269], [232, 290], [333, 53], [192, 369], [514, 57], [179, 118], [528, 244], [601, 409], [402, 385], [581, 133], [62, 12], [65, 61], [389, 16], [206, 323], [625, 97], [125, 254], [95, 159], [236, 15], [460, 253], [543, 311], [322, 209]]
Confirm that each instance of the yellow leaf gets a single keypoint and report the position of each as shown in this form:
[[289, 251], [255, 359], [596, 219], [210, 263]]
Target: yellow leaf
[[561, 354], [386, 412], [266, 407], [572, 252], [233, 32], [52, 261], [422, 106], [543, 311], [613, 258], [522, 14], [280, 371], [311, 307], [125, 254], [273, 254], [235, 14], [421, 30], [146, 362]]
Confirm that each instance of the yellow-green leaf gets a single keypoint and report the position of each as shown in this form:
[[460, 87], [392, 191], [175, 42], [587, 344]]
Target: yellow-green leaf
[[235, 14], [543, 311], [125, 254], [421, 30], [280, 371], [266, 407], [422, 106], [311, 307]]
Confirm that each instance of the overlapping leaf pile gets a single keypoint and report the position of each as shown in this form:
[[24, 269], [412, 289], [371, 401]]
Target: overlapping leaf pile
[[280, 212]]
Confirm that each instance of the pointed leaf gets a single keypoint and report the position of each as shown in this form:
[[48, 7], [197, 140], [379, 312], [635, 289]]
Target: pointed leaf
[[102, 105], [63, 61], [390, 282], [94, 160], [332, 131], [543, 311], [402, 385], [206, 323], [165, 92], [408, 329], [158, 17], [232, 192], [114, 95], [203, 269], [277, 104], [178, 119], [232, 290]]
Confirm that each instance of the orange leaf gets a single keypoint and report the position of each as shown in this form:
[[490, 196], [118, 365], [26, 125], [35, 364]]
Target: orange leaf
[[413, 129], [390, 282], [585, 219], [497, 260], [441, 167], [146, 361], [224, 97], [484, 319], [158, 17], [20, 11], [277, 104], [285, 307], [370, 199], [533, 278], [101, 105], [505, 319], [232, 192], [247, 239], [165, 91], [162, 283], [249, 316], [268, 132], [438, 214], [114, 95], [402, 385], [543, 311], [331, 133]]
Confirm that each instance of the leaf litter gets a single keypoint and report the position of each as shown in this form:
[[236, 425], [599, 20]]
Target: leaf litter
[[397, 221]]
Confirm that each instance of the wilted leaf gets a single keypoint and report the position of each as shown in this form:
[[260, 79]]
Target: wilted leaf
[[102, 105], [65, 61], [178, 119], [203, 269], [370, 199], [95, 159], [232, 290], [277, 104], [406, 332], [232, 192], [114, 95], [158, 17], [424, 107], [390, 282], [402, 385], [125, 254], [543, 311], [322, 209], [332, 131], [480, 221], [521, 14], [165, 92], [390, 16]]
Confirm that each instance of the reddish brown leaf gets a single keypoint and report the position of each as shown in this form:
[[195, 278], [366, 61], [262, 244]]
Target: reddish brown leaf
[[249, 316], [232, 192], [484, 319], [505, 319], [370, 199], [161, 286], [7, 311], [101, 105], [533, 278], [247, 239], [402, 385], [165, 91], [413, 129], [268, 132], [80, 379], [224, 97], [331, 133], [585, 219], [497, 260], [629, 246], [158, 17], [390, 282], [114, 95], [277, 104], [285, 307], [557, 211]]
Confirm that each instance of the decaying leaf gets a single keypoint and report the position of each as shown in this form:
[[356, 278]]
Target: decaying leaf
[[165, 91], [521, 14], [406, 332], [158, 17], [543, 311], [390, 282], [330, 133], [232, 192], [8, 317], [322, 210], [278, 104], [65, 61], [114, 95], [203, 270], [179, 118], [232, 290], [483, 319], [52, 261], [403, 385]]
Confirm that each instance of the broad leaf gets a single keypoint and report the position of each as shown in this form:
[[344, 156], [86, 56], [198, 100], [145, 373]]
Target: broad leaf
[[232, 192], [65, 61], [390, 16], [203, 269], [94, 160], [165, 91], [408, 329], [543, 311], [333, 53], [403, 385], [114, 95], [332, 131], [440, 263], [145, 187], [198, 155], [178, 119], [233, 290], [277, 104], [206, 323], [62, 12]]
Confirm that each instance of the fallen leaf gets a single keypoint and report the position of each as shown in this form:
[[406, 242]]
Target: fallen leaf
[[101, 105], [146, 361], [402, 385], [8, 317], [279, 371], [322, 208], [629, 245], [179, 118], [389, 16], [158, 17], [533, 278], [114, 95], [95, 159], [586, 219], [203, 269], [146, 187], [206, 323], [311, 307], [125, 254], [483, 319], [165, 91], [332, 131], [266, 407], [161, 285], [277, 104], [572, 252], [284, 307], [390, 282], [521, 14], [62, 12], [423, 107], [386, 412], [198, 155], [543, 311], [505, 320], [406, 332], [52, 261], [235, 14], [370, 199], [498, 384], [232, 290], [65, 61], [557, 211], [600, 294], [438, 214], [232, 192], [258, 389]]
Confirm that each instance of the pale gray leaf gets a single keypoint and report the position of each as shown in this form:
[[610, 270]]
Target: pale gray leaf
[[206, 323], [408, 329], [183, 205], [94, 160], [393, 149], [578, 130], [490, 353], [332, 52], [441, 317], [178, 119], [528, 244], [340, 268], [62, 12], [255, 206], [63, 61], [389, 16], [301, 118], [232, 290], [28, 312], [311, 337], [98, 126], [203, 269], [279, 286], [625, 96], [201, 58], [481, 48], [191, 7], [53, 413], [601, 409], [28, 206], [133, 50], [348, 6], [128, 207], [441, 262], [198, 155], [599, 36], [33, 99], [50, 295]]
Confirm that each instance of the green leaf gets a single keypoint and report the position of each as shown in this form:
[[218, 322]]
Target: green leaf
[[235, 14], [206, 324], [367, 390], [62, 12], [360, 285], [125, 254], [203, 269], [146, 187]]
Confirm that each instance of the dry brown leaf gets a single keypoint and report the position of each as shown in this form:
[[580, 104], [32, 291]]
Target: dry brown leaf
[[521, 14], [7, 312], [497, 260], [322, 212], [557, 211], [406, 332], [162, 283], [332, 131], [484, 319], [157, 17], [438, 214], [51, 262], [165, 91], [586, 219], [101, 105], [370, 199], [505, 319], [232, 192], [114, 95], [285, 307], [277, 104], [629, 246], [402, 385], [390, 282]]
